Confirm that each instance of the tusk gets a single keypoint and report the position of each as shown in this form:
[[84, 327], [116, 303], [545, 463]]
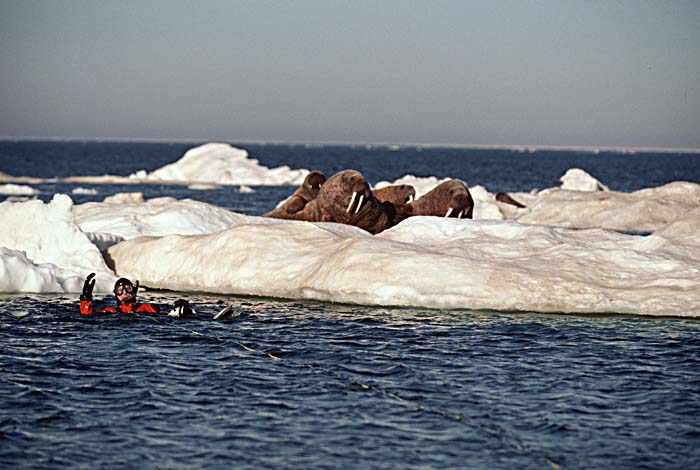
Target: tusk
[[359, 204], [410, 198], [449, 211], [460, 214], [352, 200]]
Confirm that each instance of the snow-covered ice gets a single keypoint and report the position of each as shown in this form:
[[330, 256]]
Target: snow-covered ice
[[17, 190], [429, 262], [158, 216], [225, 165], [84, 191], [575, 179], [531, 263], [646, 210], [56, 254]]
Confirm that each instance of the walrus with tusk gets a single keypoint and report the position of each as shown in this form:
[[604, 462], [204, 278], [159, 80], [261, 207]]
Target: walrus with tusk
[[448, 199]]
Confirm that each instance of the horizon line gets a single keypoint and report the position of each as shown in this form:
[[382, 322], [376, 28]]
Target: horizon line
[[397, 145]]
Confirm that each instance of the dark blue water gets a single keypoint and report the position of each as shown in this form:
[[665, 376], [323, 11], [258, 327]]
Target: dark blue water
[[316, 385], [497, 170], [348, 387]]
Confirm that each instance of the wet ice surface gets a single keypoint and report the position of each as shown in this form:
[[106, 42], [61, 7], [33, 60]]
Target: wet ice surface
[[305, 384]]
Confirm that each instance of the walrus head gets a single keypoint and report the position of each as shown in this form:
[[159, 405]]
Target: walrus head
[[346, 198], [448, 199], [396, 194], [312, 183], [293, 207]]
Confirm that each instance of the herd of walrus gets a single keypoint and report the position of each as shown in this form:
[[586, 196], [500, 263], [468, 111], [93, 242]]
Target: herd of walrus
[[347, 198]]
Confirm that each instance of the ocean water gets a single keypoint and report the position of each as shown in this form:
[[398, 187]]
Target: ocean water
[[290, 384]]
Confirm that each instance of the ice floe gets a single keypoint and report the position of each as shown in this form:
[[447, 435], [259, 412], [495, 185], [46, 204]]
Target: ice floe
[[224, 165], [55, 251], [84, 191], [429, 262], [17, 190], [546, 259]]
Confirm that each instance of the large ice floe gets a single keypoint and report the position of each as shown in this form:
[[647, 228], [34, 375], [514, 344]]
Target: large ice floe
[[554, 255], [430, 262], [424, 261]]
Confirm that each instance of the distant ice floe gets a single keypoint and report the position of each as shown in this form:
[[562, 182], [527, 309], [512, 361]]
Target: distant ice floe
[[84, 191], [224, 165], [576, 179], [17, 190], [204, 187]]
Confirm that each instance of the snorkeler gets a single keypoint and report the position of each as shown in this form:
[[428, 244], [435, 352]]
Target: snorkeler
[[125, 294]]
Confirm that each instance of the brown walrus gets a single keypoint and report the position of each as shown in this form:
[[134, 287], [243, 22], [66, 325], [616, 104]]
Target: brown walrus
[[448, 199], [396, 194], [347, 199], [294, 206], [508, 199]]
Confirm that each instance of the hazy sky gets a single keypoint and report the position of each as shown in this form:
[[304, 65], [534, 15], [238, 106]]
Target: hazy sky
[[617, 73]]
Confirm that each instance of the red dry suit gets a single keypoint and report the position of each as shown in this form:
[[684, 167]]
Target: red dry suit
[[86, 308]]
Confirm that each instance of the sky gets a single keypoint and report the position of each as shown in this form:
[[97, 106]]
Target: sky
[[620, 73]]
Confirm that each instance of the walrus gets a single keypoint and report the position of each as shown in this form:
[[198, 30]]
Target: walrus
[[508, 199], [396, 194], [448, 199], [346, 198], [294, 206]]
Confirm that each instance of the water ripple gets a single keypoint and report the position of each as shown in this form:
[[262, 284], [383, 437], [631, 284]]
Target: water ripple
[[315, 385]]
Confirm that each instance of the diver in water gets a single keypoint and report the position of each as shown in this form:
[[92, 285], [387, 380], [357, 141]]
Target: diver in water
[[125, 293]]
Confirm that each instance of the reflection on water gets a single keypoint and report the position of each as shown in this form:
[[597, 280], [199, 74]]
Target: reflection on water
[[291, 384]]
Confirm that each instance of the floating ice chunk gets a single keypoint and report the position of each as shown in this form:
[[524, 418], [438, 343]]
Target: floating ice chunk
[[576, 179], [17, 190], [203, 187], [50, 239], [223, 164], [85, 191], [20, 274]]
